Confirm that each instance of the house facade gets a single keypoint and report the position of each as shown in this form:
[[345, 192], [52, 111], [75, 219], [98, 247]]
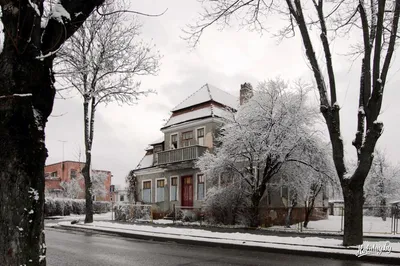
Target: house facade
[[67, 171], [167, 178]]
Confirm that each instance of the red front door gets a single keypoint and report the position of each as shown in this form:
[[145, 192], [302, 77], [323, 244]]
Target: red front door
[[187, 191]]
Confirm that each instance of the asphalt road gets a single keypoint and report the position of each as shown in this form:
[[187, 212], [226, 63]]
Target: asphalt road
[[77, 248]]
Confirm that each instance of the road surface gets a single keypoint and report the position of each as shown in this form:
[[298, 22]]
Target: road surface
[[68, 248]]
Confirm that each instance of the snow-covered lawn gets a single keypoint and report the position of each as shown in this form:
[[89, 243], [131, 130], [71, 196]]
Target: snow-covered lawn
[[298, 243], [371, 225]]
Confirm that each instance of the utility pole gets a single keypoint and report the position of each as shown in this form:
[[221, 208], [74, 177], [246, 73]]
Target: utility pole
[[62, 163]]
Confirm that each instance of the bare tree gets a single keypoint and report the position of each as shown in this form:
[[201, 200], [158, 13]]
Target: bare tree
[[377, 20], [31, 40], [101, 61]]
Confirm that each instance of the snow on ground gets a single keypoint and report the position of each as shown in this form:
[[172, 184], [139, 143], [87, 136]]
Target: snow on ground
[[290, 243], [371, 225]]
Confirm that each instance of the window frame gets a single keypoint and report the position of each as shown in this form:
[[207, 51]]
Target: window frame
[[187, 141], [197, 186], [151, 188], [177, 188], [197, 136], [177, 140], [156, 187], [70, 173]]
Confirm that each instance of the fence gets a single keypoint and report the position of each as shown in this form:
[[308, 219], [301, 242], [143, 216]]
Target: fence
[[376, 219]]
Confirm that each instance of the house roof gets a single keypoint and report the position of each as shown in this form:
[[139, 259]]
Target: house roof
[[158, 141], [207, 93], [208, 111], [147, 161]]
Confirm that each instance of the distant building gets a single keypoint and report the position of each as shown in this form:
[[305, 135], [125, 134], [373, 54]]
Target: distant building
[[69, 170]]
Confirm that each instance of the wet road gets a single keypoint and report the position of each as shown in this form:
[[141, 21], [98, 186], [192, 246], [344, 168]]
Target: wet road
[[65, 248]]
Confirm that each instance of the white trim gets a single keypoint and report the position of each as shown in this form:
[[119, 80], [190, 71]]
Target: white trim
[[151, 189], [195, 134], [177, 187], [191, 124], [170, 140], [155, 188], [205, 187]]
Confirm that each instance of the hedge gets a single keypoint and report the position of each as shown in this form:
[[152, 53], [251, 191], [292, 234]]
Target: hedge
[[65, 206]]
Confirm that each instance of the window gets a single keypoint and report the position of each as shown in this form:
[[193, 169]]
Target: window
[[174, 188], [73, 173], [147, 191], [160, 190], [174, 141], [284, 192], [200, 136], [200, 187], [157, 148], [187, 138], [53, 175], [121, 197]]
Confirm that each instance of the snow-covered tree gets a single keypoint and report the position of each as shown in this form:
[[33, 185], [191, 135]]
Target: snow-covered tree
[[32, 32], [98, 179], [375, 26], [273, 129], [382, 184], [71, 188], [102, 62]]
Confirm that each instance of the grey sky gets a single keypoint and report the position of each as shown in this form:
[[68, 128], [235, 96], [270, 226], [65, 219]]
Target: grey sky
[[225, 59]]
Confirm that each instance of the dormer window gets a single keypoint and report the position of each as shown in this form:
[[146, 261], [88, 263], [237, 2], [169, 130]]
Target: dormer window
[[187, 138]]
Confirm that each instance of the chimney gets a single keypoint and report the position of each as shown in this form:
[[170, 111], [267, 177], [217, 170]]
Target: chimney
[[246, 92]]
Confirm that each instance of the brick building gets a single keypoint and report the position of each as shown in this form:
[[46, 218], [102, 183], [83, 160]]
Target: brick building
[[69, 170]]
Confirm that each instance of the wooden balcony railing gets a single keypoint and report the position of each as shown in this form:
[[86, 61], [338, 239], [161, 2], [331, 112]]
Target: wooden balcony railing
[[180, 155]]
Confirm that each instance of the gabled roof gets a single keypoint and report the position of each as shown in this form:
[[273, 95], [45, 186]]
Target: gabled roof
[[157, 141], [208, 111], [209, 93]]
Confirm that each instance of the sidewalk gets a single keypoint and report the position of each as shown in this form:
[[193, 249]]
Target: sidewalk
[[328, 247]]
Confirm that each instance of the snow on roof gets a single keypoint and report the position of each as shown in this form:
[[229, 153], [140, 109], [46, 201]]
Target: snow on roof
[[209, 111], [147, 161], [158, 141], [207, 93], [196, 114]]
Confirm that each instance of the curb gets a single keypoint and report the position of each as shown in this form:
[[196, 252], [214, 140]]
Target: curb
[[320, 254]]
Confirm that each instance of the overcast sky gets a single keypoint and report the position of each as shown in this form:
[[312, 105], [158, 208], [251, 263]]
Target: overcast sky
[[225, 59]]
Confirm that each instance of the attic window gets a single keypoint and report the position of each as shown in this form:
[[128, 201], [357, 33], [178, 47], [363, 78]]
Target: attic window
[[174, 141]]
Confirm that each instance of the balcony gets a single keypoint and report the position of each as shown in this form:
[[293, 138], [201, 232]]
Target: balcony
[[180, 155]]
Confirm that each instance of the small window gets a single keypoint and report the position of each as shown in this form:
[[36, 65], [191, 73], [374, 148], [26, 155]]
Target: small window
[[174, 188], [122, 198], [73, 173], [187, 181], [157, 148], [200, 187], [53, 174], [284, 192], [174, 141], [147, 191]]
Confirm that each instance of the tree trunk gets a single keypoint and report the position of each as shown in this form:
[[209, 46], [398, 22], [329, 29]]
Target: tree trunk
[[353, 214], [254, 211], [26, 101], [308, 213], [86, 171]]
